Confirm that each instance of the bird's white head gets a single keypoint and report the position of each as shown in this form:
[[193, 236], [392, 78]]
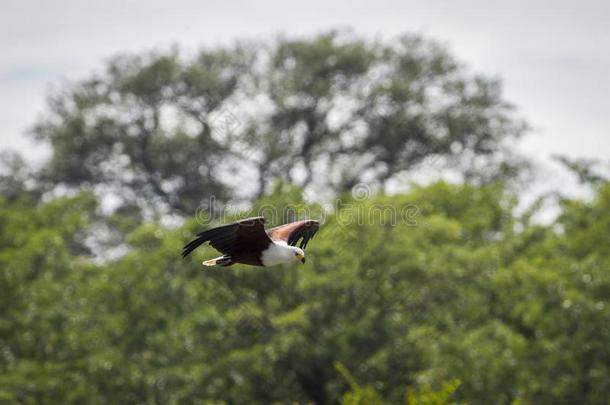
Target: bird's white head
[[299, 254]]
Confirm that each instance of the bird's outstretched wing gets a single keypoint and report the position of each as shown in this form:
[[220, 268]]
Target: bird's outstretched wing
[[247, 235], [293, 232]]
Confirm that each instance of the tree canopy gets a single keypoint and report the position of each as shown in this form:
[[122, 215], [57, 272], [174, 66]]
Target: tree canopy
[[166, 131], [385, 311]]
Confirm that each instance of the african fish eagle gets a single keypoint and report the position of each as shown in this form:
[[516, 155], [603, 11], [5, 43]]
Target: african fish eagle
[[248, 242]]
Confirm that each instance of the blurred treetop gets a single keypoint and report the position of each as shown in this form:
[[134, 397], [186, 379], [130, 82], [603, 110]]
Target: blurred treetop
[[163, 131]]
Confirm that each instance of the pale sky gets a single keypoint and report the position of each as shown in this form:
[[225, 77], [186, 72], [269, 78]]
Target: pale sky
[[553, 56]]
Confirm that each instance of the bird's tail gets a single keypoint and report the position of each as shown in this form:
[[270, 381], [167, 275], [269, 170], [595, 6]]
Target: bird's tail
[[219, 261]]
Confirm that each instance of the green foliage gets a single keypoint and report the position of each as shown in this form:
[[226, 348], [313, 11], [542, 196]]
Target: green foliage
[[357, 395], [39, 280], [586, 170], [368, 395], [423, 395], [452, 305], [429, 396], [16, 180]]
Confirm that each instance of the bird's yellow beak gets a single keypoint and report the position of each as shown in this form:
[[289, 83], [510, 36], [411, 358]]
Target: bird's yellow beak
[[301, 258]]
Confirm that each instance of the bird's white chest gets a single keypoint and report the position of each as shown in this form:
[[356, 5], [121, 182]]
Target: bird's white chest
[[277, 253]]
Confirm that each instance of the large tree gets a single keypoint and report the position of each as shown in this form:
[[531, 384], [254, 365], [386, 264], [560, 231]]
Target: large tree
[[165, 131]]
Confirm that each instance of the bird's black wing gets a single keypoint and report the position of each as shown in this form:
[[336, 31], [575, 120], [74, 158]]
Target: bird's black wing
[[247, 235]]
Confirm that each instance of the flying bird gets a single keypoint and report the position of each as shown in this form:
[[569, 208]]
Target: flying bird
[[248, 242]]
